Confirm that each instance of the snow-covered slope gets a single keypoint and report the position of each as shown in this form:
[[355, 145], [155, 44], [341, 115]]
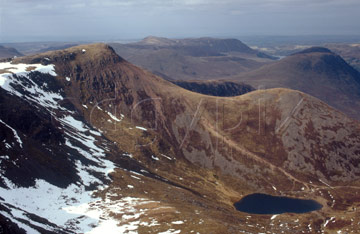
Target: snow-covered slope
[[73, 207]]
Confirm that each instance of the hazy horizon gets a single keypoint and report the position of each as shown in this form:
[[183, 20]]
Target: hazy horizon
[[40, 20], [256, 40]]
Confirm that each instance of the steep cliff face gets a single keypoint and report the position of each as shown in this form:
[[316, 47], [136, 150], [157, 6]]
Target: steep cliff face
[[170, 150]]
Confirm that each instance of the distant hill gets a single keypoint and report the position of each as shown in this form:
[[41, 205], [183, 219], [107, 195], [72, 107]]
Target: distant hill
[[29, 48], [204, 44], [314, 50], [7, 52], [316, 71], [192, 59]]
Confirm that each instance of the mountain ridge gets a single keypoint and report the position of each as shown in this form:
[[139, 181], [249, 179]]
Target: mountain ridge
[[203, 152], [150, 87], [192, 58]]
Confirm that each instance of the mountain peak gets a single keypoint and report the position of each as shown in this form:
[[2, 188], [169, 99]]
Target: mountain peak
[[90, 53]]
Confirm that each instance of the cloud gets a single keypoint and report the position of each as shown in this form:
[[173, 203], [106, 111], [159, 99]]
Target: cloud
[[34, 5], [138, 18]]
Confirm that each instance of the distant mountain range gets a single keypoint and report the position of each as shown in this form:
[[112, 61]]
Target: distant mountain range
[[205, 46], [316, 70], [90, 142], [192, 59], [29, 48]]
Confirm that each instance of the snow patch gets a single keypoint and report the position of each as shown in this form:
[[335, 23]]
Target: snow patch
[[4, 157], [21, 225], [115, 118], [75, 124], [178, 222], [18, 139], [103, 210], [2, 80], [155, 158], [141, 128], [127, 155], [166, 156], [34, 92], [46, 200], [170, 231], [96, 133], [135, 177], [329, 220]]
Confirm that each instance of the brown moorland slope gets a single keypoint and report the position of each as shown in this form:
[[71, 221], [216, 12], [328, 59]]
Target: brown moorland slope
[[212, 151], [108, 76]]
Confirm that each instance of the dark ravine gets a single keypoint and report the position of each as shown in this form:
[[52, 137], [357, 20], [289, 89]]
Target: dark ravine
[[216, 88]]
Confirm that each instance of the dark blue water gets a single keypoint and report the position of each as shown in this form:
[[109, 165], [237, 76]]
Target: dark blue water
[[259, 203]]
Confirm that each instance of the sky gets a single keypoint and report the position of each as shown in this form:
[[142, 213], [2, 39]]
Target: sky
[[56, 20]]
